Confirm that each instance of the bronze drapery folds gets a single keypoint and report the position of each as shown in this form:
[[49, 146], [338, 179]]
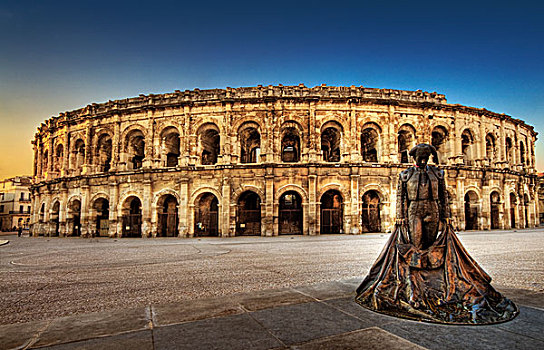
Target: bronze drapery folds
[[422, 277]]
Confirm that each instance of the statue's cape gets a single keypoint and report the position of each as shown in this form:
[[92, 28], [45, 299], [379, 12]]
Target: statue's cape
[[439, 284]]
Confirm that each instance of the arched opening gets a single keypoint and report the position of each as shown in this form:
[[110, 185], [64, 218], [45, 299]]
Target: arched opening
[[167, 208], [101, 207], [509, 150], [132, 217], [207, 215], [526, 209], [209, 143], [513, 203], [170, 146], [290, 145], [330, 144], [59, 155], [495, 200], [45, 160], [78, 154], [471, 211], [439, 139], [490, 147], [369, 145], [332, 216], [290, 214], [522, 152], [41, 219], [406, 141], [74, 218], [103, 153], [467, 147], [248, 214], [371, 218], [250, 145], [135, 149], [55, 210]]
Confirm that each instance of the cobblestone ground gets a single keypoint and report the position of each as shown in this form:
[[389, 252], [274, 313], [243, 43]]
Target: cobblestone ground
[[45, 278]]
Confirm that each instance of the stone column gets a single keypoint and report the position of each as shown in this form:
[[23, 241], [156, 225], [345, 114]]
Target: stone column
[[114, 220], [63, 209], [86, 230], [87, 166], [314, 153], [353, 137], [270, 227], [65, 165], [116, 144], [389, 139], [50, 156], [225, 228], [354, 193], [150, 136], [311, 219], [486, 208], [146, 207], [502, 143], [183, 209]]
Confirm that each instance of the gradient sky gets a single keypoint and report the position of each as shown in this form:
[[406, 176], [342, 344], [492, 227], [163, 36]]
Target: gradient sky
[[58, 55]]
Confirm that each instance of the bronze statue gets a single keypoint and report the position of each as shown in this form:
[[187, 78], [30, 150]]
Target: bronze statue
[[424, 275]]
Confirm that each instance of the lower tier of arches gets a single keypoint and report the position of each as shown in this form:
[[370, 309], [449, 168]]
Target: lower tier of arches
[[265, 202]]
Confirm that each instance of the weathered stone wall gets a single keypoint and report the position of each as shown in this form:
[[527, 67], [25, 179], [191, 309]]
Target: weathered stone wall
[[122, 150]]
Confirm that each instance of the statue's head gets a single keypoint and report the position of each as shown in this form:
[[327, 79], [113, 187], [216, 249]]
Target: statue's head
[[422, 152]]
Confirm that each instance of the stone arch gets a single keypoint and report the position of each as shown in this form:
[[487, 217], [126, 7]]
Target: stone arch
[[509, 149], [371, 211], [54, 216], [490, 147], [331, 213], [249, 141], [406, 140], [382, 192], [472, 209], [371, 142], [513, 202], [336, 187], [74, 207], [134, 146], [199, 191], [130, 129], [331, 141], [291, 142], [209, 143], [77, 154], [170, 145], [522, 155], [468, 146], [202, 121], [157, 195], [165, 211], [206, 214], [248, 213], [244, 188], [103, 151], [440, 139], [58, 157], [291, 187], [291, 213], [99, 210], [131, 209], [495, 208]]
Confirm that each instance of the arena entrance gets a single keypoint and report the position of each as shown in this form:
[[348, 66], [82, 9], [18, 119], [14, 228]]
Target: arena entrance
[[513, 202], [290, 214], [74, 219], [495, 209], [102, 209], [248, 214], [371, 218], [168, 216], [132, 217], [331, 212], [55, 218], [207, 216], [471, 211]]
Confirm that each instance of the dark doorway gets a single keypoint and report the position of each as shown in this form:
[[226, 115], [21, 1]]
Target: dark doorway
[[248, 214], [55, 218], [207, 216], [290, 218], [331, 212], [102, 208], [471, 211], [132, 217], [495, 206], [168, 216], [371, 220], [526, 207], [513, 202], [75, 213]]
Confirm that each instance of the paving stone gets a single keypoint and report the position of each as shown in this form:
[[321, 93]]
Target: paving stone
[[231, 332], [266, 299], [192, 310], [16, 335], [523, 297], [370, 339], [299, 323], [433, 336], [368, 317], [142, 340], [87, 326], [529, 322], [327, 290]]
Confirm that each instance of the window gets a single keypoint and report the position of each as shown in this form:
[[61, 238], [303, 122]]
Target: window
[[22, 196], [21, 209], [1, 208], [28, 209]]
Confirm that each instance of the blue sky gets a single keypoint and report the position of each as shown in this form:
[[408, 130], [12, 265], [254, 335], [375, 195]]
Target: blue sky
[[57, 56]]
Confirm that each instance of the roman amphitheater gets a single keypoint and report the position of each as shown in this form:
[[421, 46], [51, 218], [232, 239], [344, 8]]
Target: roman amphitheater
[[272, 160]]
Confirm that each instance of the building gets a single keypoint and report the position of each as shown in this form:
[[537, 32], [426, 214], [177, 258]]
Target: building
[[541, 198], [272, 160], [15, 203]]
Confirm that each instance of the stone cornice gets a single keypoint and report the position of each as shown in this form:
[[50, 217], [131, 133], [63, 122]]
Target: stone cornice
[[259, 94]]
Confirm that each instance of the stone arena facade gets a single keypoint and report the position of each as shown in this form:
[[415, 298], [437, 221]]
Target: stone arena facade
[[272, 160]]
